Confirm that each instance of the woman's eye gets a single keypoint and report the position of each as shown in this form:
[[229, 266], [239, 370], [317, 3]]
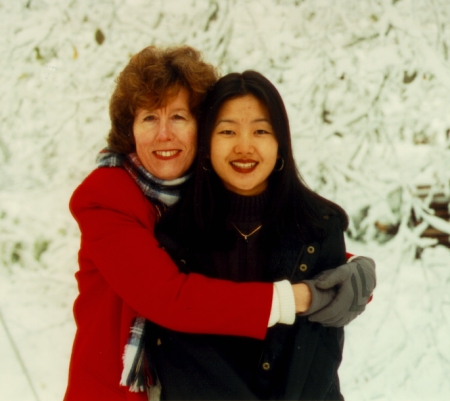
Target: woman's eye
[[178, 117], [261, 132], [149, 118], [226, 132]]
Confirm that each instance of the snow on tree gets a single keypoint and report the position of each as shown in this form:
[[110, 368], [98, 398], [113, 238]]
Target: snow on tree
[[366, 84]]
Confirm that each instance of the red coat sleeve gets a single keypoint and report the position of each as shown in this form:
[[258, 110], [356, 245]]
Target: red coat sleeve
[[116, 223]]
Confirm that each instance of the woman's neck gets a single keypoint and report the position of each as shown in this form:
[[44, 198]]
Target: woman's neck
[[247, 209]]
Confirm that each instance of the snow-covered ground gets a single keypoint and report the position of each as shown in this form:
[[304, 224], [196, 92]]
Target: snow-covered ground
[[399, 348], [367, 87]]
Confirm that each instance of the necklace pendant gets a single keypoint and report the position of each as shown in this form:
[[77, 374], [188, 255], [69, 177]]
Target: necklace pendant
[[245, 236]]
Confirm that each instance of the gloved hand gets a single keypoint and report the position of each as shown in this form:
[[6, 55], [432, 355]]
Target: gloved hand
[[319, 298], [355, 282]]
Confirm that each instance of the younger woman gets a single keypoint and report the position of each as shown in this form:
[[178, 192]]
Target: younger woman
[[255, 220]]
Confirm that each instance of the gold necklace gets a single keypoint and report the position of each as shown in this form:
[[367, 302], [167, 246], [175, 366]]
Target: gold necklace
[[245, 236]]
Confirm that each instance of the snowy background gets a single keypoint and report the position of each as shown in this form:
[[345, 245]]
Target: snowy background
[[367, 87]]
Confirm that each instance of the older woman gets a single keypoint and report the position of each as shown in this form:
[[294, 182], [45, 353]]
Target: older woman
[[124, 276], [255, 220]]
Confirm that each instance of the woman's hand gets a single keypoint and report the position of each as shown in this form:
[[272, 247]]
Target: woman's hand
[[302, 296]]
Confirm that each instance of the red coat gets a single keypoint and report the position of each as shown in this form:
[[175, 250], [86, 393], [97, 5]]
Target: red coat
[[123, 273]]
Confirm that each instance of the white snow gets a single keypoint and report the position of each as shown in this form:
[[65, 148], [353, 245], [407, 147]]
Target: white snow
[[366, 84]]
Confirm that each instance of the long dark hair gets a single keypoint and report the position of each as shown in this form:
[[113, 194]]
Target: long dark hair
[[292, 206]]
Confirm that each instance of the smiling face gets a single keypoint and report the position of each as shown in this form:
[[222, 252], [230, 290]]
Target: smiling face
[[166, 137], [243, 145]]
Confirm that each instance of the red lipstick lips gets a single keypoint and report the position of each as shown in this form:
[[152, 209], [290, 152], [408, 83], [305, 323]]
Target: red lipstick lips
[[244, 166]]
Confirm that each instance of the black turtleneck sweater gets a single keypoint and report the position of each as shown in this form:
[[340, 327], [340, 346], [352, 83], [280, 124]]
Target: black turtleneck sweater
[[245, 260]]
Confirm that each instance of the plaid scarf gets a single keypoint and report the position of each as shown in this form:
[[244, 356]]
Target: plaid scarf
[[137, 373], [163, 192]]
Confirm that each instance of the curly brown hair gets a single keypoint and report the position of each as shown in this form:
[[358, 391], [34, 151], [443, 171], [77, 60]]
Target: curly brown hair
[[151, 78]]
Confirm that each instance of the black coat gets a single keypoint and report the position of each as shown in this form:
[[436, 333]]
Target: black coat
[[297, 362]]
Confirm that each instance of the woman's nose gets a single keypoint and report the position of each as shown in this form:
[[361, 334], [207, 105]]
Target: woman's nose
[[164, 133], [244, 144]]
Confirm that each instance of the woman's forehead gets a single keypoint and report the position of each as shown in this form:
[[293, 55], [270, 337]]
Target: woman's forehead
[[173, 97], [243, 107]]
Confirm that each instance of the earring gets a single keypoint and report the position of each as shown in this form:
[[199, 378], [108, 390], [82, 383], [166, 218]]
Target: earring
[[203, 165], [282, 165]]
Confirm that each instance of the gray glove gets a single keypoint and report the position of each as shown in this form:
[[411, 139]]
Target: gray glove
[[355, 282]]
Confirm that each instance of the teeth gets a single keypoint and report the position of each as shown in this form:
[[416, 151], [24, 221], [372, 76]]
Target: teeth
[[166, 153], [244, 165]]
